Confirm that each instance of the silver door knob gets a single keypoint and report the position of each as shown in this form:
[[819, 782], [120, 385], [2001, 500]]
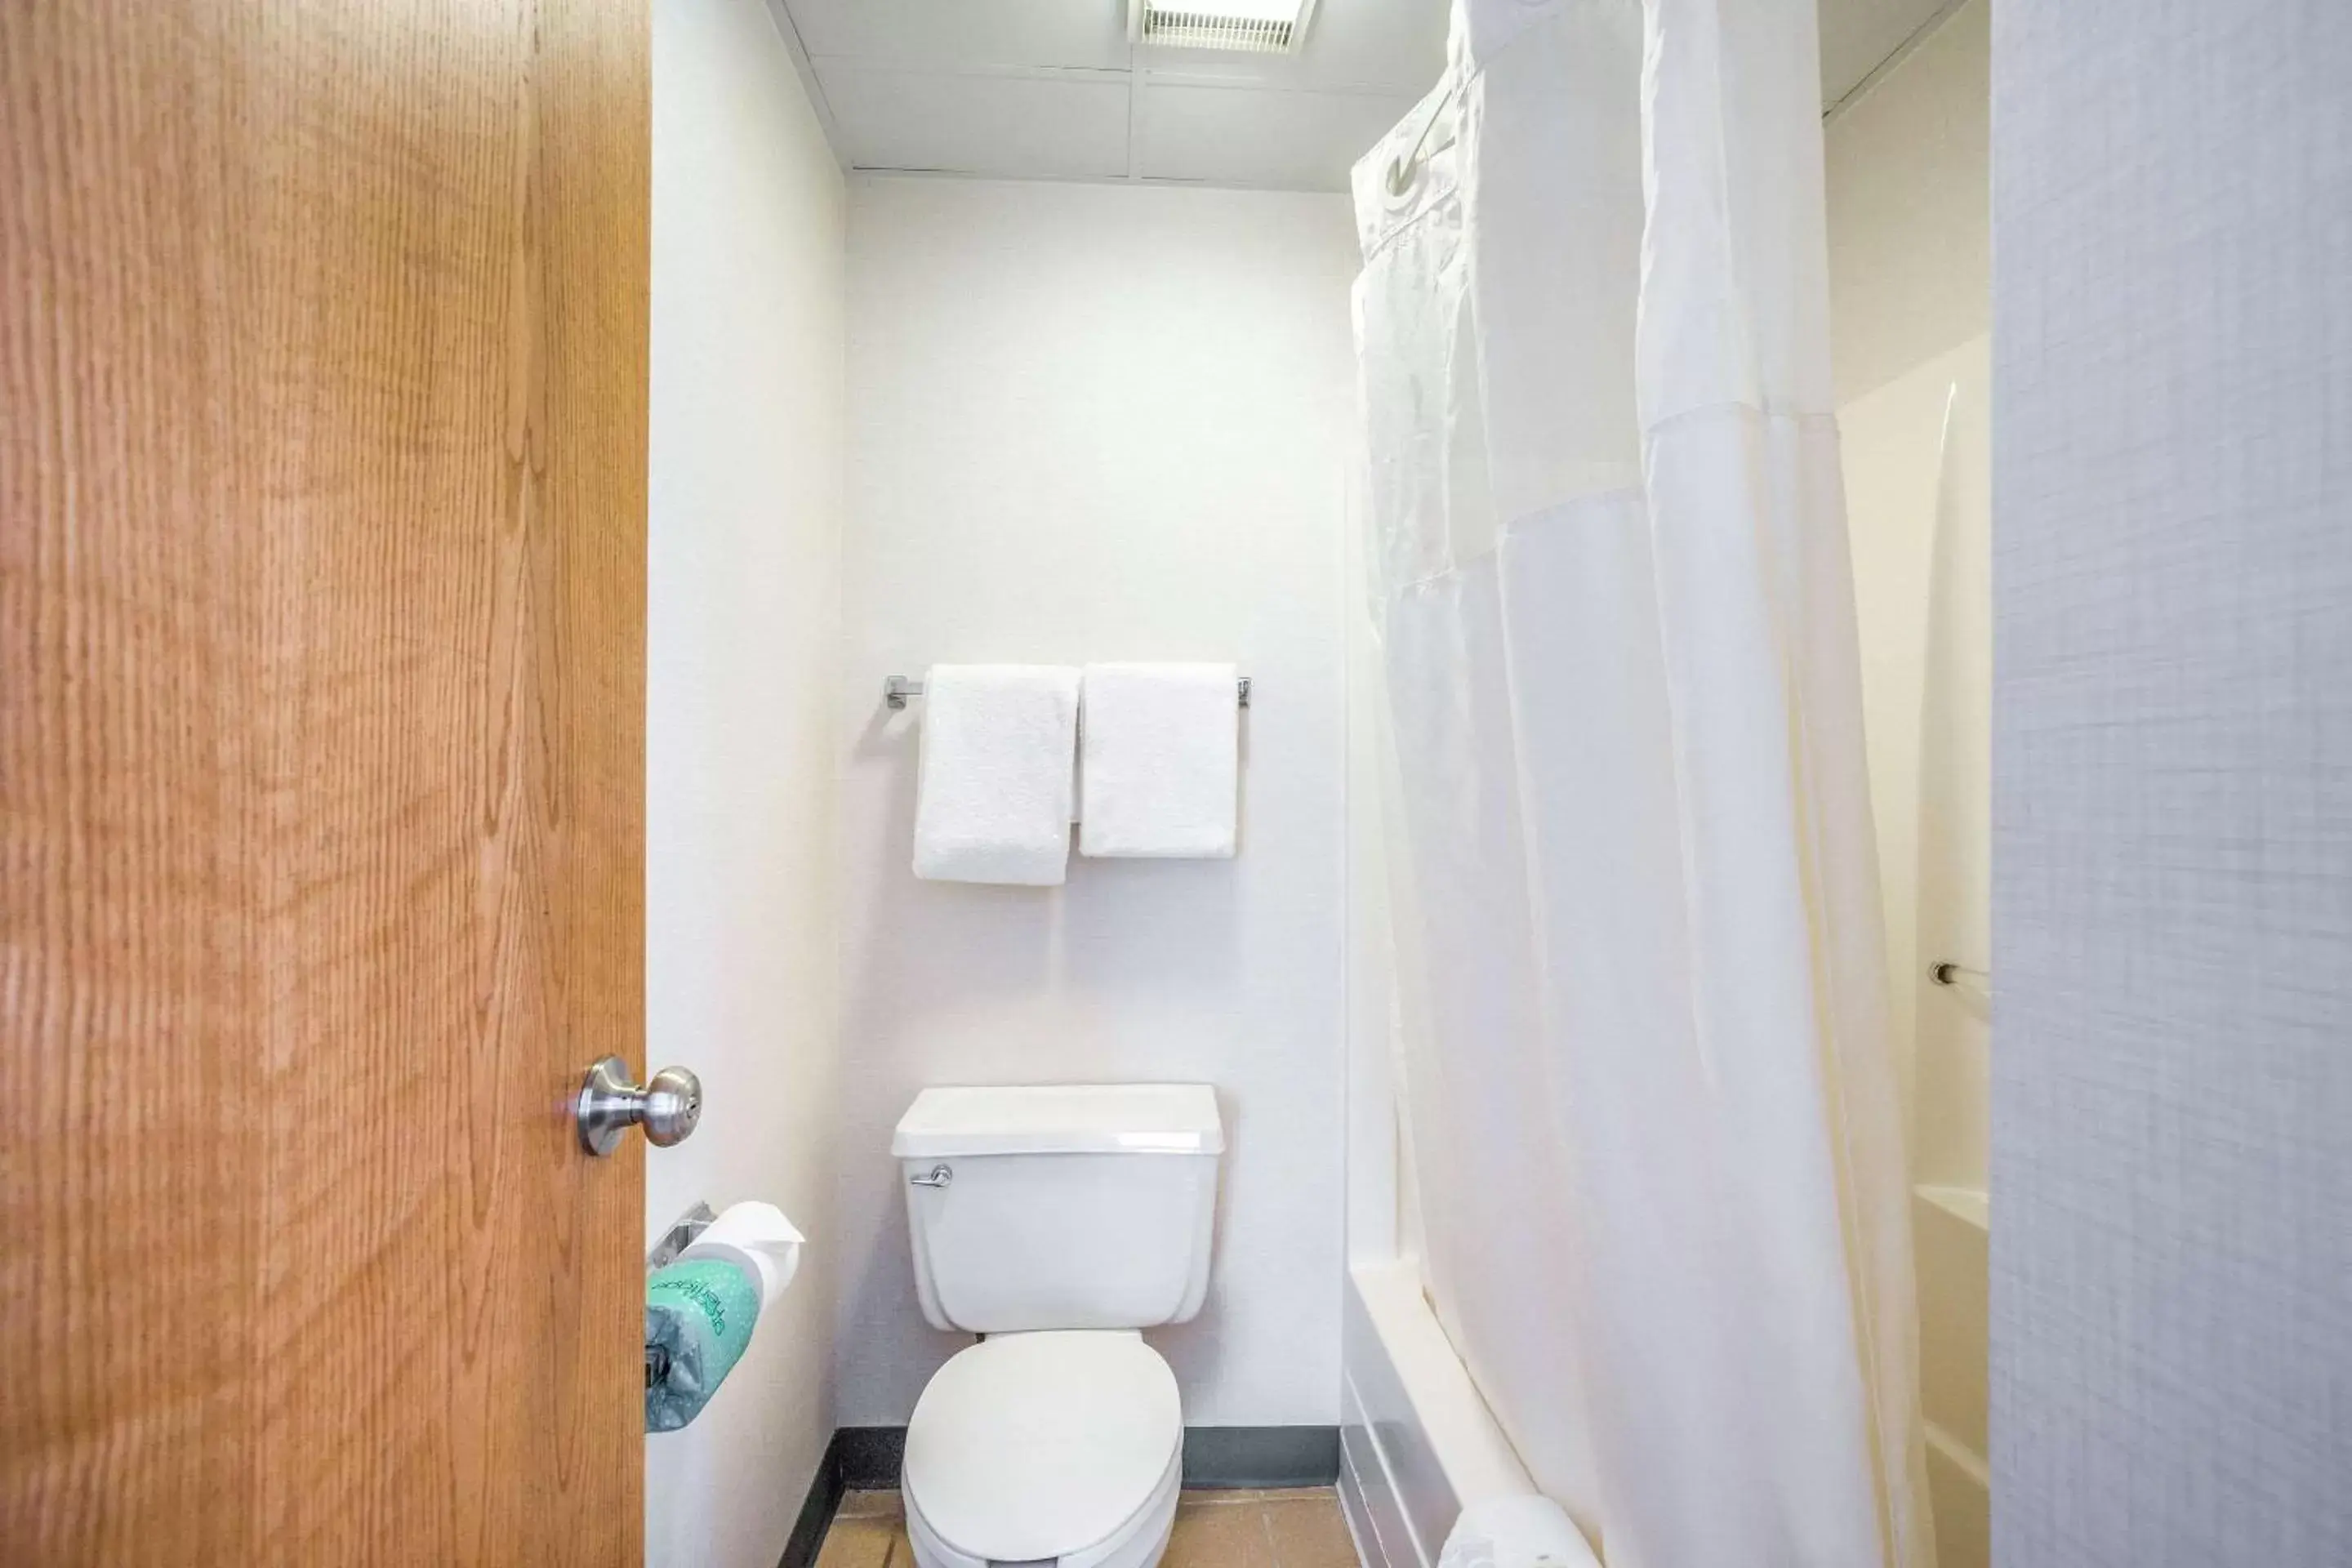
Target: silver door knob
[[666, 1105]]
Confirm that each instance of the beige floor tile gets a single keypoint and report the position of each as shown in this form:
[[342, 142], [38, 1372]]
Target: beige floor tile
[[1219, 1535], [1293, 1527], [861, 1543], [1310, 1532], [870, 1505]]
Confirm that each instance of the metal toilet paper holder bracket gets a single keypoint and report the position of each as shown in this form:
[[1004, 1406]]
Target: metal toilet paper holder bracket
[[679, 1237]]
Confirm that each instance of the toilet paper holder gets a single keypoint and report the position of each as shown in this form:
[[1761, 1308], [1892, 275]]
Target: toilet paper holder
[[679, 1237], [707, 1281]]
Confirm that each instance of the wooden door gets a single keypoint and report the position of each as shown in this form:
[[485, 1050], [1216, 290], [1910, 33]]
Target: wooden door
[[323, 456]]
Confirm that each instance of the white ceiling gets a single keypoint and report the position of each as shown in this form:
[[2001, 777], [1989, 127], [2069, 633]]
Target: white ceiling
[[1051, 88]]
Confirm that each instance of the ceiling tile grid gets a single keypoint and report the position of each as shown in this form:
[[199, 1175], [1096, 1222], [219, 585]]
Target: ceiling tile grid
[[1004, 121], [1053, 89]]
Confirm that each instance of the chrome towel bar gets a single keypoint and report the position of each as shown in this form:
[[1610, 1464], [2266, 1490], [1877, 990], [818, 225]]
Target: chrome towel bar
[[897, 688]]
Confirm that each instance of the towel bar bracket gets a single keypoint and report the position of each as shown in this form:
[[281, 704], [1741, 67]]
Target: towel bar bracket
[[897, 688]]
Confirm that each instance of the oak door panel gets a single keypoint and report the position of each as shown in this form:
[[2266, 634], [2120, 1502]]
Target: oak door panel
[[322, 380]]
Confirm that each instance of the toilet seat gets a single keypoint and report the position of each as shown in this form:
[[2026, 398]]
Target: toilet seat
[[1063, 1446]]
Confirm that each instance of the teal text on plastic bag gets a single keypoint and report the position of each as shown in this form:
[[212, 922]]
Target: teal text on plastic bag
[[699, 1317]]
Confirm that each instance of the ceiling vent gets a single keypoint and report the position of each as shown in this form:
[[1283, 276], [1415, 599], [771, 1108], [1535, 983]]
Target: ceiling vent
[[1232, 26]]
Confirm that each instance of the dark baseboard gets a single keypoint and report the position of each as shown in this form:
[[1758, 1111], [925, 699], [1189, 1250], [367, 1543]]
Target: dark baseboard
[[868, 1458], [871, 1457], [1261, 1456], [817, 1509]]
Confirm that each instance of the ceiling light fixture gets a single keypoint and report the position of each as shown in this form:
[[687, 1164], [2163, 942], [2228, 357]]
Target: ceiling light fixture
[[1235, 26]]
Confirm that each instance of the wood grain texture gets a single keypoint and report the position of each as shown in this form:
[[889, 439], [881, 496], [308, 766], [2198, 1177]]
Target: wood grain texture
[[322, 422]]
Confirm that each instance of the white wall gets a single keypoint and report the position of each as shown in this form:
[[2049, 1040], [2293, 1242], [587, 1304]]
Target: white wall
[[741, 789], [1098, 422]]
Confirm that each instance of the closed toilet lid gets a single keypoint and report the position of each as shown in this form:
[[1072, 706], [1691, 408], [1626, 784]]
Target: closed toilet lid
[[1032, 1446]]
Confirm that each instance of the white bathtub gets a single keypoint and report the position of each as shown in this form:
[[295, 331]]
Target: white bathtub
[[1417, 1444]]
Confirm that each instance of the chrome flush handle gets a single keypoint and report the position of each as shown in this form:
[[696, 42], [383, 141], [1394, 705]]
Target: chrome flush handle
[[937, 1177], [668, 1105]]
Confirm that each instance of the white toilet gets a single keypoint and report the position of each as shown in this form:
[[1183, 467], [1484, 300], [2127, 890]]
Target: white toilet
[[1056, 1222]]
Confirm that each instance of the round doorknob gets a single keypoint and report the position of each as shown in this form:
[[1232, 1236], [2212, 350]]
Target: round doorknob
[[666, 1105]]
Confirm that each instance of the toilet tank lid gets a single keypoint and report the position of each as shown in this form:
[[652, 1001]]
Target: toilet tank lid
[[1062, 1118]]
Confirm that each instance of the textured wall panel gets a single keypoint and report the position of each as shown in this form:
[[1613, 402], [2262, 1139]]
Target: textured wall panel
[[2172, 1125]]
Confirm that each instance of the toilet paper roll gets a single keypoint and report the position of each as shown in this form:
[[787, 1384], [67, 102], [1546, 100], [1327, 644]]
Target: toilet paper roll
[[757, 1238]]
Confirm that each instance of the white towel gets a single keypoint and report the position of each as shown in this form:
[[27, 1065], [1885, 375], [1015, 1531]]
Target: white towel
[[1160, 769], [999, 742]]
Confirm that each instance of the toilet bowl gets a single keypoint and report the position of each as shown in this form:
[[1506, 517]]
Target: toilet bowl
[[1062, 1447], [1055, 1222]]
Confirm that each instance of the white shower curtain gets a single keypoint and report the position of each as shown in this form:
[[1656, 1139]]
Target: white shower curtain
[[1650, 1103]]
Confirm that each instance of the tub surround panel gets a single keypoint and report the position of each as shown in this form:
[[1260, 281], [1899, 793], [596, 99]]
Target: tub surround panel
[[1910, 235]]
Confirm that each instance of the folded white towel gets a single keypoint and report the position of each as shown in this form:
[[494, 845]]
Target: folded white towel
[[1161, 761], [999, 742]]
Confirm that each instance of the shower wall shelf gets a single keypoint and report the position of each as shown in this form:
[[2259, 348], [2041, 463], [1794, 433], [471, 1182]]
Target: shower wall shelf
[[897, 688]]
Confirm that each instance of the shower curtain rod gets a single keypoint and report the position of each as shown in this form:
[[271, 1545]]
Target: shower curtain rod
[[897, 688], [1943, 972]]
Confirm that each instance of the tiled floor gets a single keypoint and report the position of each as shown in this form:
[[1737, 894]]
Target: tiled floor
[[1213, 1530]]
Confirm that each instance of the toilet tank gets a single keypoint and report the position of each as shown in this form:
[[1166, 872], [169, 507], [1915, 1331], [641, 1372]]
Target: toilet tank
[[1068, 1206]]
